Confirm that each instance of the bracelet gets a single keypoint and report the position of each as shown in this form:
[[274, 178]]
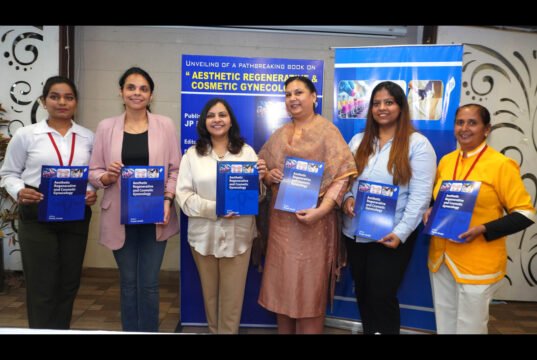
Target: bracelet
[[168, 198]]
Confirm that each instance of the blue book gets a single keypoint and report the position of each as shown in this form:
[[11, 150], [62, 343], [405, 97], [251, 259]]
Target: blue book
[[142, 194], [374, 207], [64, 190], [453, 209], [237, 188], [300, 186]]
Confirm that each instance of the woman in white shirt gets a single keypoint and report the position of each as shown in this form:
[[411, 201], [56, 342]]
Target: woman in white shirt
[[221, 245], [52, 252]]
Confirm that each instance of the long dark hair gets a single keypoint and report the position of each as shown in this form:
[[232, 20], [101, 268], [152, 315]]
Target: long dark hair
[[138, 71], [236, 141], [398, 162]]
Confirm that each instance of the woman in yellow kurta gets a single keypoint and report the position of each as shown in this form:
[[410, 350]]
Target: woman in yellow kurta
[[465, 275]]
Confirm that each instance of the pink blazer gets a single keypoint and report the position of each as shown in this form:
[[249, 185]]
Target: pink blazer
[[163, 151]]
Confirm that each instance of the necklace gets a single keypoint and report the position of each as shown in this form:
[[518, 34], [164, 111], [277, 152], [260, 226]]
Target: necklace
[[132, 130]]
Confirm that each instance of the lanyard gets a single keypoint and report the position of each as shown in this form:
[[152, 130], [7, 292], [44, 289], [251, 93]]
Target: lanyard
[[58, 151], [471, 167]]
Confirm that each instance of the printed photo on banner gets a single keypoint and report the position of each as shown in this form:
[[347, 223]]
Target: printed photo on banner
[[353, 97], [425, 99], [270, 115]]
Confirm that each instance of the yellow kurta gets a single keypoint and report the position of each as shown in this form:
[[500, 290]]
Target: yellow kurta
[[480, 261]]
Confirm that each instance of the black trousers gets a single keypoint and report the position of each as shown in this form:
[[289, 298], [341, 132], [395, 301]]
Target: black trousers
[[52, 257], [377, 272]]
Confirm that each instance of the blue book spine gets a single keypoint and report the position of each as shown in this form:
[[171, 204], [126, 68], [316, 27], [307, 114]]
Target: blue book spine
[[453, 208], [237, 188], [300, 186], [64, 190], [375, 207], [142, 194]]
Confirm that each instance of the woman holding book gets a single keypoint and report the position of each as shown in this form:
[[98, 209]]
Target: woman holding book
[[302, 248], [136, 137], [220, 245], [389, 152], [466, 274], [52, 252]]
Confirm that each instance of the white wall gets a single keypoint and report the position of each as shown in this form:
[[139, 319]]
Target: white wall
[[29, 55], [500, 73], [102, 53]]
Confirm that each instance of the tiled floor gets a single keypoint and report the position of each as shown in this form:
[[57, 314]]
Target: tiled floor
[[97, 307]]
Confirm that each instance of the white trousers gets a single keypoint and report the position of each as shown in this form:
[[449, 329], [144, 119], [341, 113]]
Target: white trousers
[[460, 308]]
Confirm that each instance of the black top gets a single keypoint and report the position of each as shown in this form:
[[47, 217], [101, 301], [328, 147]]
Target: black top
[[135, 150]]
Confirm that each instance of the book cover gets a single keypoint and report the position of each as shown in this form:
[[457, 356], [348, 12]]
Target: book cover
[[374, 207], [300, 186], [237, 188], [64, 190], [453, 209], [142, 194]]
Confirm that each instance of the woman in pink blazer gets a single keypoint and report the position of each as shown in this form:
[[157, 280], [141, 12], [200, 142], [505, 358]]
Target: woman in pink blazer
[[136, 137]]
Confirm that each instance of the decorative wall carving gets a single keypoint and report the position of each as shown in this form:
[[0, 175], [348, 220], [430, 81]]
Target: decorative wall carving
[[506, 83], [29, 56]]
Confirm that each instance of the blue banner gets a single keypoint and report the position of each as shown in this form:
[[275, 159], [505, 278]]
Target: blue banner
[[254, 87], [431, 78]]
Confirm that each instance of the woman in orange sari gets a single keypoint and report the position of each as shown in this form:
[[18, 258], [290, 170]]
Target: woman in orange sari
[[302, 249]]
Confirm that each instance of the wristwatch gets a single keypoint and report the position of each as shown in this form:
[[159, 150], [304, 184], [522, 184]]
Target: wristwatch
[[168, 198]]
